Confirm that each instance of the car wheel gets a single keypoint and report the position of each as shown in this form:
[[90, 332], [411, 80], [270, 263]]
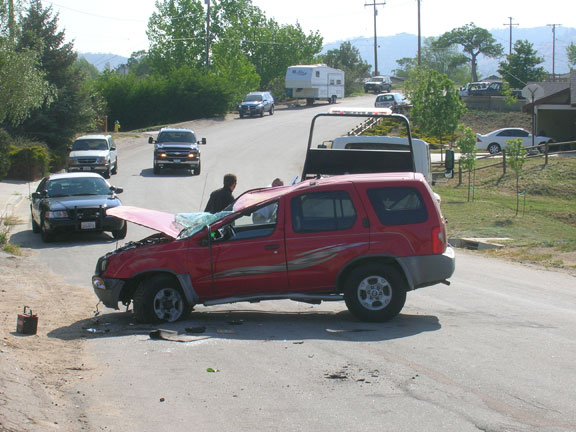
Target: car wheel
[[494, 148], [333, 99], [198, 169], [272, 110], [115, 170], [121, 233], [262, 113], [47, 236], [35, 226], [309, 101], [241, 115], [106, 174], [159, 298], [156, 169], [375, 292]]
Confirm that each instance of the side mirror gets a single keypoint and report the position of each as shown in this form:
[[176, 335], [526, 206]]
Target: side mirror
[[203, 141], [150, 140], [449, 164], [36, 195], [113, 148], [116, 189]]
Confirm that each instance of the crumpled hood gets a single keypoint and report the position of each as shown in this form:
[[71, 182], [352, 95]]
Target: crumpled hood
[[153, 219], [89, 153]]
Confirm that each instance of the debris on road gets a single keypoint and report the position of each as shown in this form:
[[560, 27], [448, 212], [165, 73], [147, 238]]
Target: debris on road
[[173, 336]]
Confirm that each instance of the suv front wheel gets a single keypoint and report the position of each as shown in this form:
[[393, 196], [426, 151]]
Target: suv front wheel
[[375, 292], [159, 298]]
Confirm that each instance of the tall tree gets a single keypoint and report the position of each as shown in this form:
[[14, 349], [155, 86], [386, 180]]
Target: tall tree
[[474, 41], [347, 58], [436, 106], [571, 54], [72, 109], [522, 65]]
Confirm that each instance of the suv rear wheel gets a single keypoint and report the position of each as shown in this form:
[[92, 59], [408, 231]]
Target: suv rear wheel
[[159, 298], [375, 292]]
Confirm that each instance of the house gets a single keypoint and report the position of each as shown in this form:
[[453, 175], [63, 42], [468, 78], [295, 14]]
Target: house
[[555, 109]]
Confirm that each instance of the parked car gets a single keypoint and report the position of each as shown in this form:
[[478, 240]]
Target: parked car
[[94, 153], [495, 88], [496, 140], [365, 239], [75, 202], [471, 87], [178, 149], [257, 103], [395, 101], [378, 84]]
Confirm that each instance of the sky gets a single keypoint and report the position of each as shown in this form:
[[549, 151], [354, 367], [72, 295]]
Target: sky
[[119, 26]]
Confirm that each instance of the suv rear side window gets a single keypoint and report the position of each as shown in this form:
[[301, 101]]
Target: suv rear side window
[[322, 211], [398, 206]]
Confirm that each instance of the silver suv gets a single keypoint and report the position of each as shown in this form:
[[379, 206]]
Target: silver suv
[[256, 103], [94, 153]]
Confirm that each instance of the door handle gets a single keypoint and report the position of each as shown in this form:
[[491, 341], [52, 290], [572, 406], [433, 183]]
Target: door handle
[[272, 246]]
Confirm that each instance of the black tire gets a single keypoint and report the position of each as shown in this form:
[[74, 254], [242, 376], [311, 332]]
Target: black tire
[[156, 169], [262, 113], [159, 299], [241, 115], [106, 174], [333, 100], [272, 110], [47, 236], [494, 148], [115, 169], [35, 226], [374, 292], [198, 169], [309, 101], [121, 233]]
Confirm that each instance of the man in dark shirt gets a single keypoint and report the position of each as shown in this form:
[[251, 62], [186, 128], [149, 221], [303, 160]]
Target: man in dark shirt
[[221, 198]]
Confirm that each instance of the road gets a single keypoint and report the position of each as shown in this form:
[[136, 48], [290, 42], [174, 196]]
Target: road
[[493, 352]]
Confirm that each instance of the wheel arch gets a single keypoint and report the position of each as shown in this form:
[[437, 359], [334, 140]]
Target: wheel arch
[[373, 259], [183, 280]]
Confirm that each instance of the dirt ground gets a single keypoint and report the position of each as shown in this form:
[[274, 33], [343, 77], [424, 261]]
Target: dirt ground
[[38, 372]]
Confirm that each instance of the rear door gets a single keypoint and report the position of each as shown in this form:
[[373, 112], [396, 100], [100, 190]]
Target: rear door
[[326, 228]]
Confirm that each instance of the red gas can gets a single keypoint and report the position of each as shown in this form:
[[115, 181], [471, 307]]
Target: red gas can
[[27, 322]]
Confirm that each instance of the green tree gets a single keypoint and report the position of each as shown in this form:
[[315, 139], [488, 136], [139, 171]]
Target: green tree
[[347, 58], [474, 41], [571, 54], [466, 144], [87, 68], [23, 87], [436, 106], [516, 153], [139, 63], [72, 109], [405, 66], [522, 65]]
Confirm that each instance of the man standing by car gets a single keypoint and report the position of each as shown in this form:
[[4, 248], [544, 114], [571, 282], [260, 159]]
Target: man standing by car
[[222, 198]]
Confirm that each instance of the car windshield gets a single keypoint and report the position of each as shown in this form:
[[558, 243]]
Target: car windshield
[[195, 222], [76, 186], [90, 144], [184, 137], [378, 79], [253, 98]]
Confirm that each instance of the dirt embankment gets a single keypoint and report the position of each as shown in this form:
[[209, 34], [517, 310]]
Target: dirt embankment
[[38, 372]]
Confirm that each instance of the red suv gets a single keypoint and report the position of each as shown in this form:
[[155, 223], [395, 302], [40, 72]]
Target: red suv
[[366, 239]]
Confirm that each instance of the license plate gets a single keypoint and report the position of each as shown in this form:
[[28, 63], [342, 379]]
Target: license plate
[[176, 160], [88, 225], [86, 168]]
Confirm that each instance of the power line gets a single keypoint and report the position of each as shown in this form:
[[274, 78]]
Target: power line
[[553, 45], [374, 4], [511, 24]]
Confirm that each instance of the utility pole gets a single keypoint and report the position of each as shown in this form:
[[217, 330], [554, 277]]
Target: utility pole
[[553, 47], [511, 24], [375, 39], [207, 34], [419, 36]]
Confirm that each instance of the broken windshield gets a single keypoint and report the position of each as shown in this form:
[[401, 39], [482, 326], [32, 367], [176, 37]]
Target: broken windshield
[[195, 222]]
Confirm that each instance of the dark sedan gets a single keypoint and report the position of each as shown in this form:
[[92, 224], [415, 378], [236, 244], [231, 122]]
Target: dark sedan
[[75, 202]]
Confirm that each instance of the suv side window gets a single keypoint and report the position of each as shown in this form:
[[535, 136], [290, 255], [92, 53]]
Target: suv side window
[[398, 206], [322, 211]]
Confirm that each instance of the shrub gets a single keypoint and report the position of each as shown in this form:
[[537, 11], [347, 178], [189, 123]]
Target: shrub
[[28, 163]]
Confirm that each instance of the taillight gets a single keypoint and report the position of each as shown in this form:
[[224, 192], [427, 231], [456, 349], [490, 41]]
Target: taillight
[[478, 139], [438, 240]]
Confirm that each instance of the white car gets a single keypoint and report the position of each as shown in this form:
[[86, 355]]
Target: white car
[[496, 140], [395, 101], [94, 153]]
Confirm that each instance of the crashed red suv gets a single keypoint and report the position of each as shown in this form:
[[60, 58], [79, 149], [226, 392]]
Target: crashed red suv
[[366, 239]]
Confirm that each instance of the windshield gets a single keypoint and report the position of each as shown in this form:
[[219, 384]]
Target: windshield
[[184, 137], [90, 144], [253, 98], [78, 186], [195, 222]]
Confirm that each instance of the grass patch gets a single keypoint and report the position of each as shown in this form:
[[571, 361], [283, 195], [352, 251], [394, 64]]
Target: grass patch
[[5, 245], [544, 230]]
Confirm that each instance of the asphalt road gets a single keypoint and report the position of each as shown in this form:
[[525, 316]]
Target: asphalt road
[[492, 352]]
